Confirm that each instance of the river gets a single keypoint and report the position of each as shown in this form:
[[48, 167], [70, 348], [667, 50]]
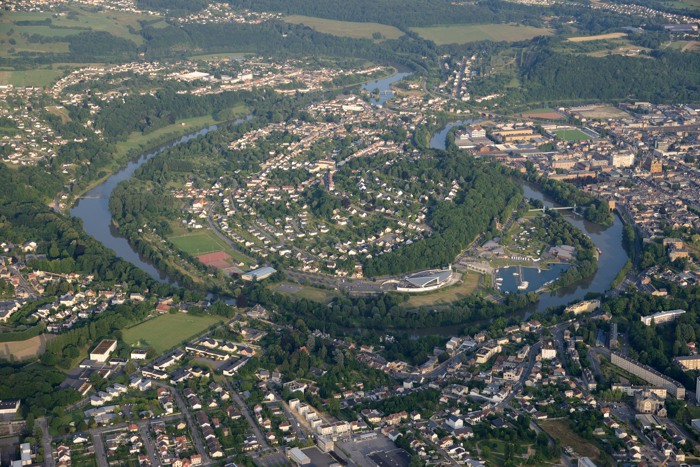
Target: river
[[93, 209], [384, 87], [607, 239]]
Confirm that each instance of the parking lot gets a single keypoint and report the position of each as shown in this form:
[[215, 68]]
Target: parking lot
[[360, 451]]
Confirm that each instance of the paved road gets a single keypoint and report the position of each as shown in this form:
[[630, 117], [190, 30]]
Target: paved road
[[194, 428], [46, 442], [148, 444], [100, 452], [246, 413]]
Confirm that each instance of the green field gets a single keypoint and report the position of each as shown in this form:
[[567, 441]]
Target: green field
[[346, 28], [166, 331], [40, 78], [142, 141], [307, 292], [464, 33], [571, 135], [204, 241]]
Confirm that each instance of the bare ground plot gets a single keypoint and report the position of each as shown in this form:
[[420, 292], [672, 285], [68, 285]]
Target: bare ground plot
[[464, 33], [599, 37], [561, 430], [603, 112], [314, 294], [346, 28], [20, 350], [547, 114]]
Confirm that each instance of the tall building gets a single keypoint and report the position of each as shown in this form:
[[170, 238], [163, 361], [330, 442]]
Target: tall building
[[613, 336]]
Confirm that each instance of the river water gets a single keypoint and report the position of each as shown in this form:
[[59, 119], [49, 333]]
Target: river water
[[93, 209], [607, 239], [384, 87]]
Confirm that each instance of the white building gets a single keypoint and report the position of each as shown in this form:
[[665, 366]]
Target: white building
[[662, 317], [624, 159], [103, 350], [548, 351]]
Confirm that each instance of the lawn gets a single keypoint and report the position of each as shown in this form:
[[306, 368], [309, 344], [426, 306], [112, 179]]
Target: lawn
[[205, 241], [313, 294], [561, 430], [346, 28], [464, 33], [467, 286], [166, 331], [571, 135]]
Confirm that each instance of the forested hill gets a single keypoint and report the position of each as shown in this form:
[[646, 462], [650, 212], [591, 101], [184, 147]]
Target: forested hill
[[666, 76], [400, 13], [280, 39]]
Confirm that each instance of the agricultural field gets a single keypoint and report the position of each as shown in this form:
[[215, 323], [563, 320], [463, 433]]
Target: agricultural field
[[29, 348], [683, 4], [142, 141], [462, 34], [41, 77], [166, 331], [685, 46], [599, 37], [571, 135], [346, 28]]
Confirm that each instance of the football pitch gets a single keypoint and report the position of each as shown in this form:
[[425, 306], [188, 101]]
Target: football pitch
[[166, 331]]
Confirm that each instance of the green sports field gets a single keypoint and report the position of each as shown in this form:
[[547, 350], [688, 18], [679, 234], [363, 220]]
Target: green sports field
[[464, 33], [202, 242], [166, 331], [571, 135]]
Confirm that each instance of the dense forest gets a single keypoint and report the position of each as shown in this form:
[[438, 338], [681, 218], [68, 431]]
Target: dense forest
[[283, 39], [664, 76], [400, 13], [146, 113], [345, 316]]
